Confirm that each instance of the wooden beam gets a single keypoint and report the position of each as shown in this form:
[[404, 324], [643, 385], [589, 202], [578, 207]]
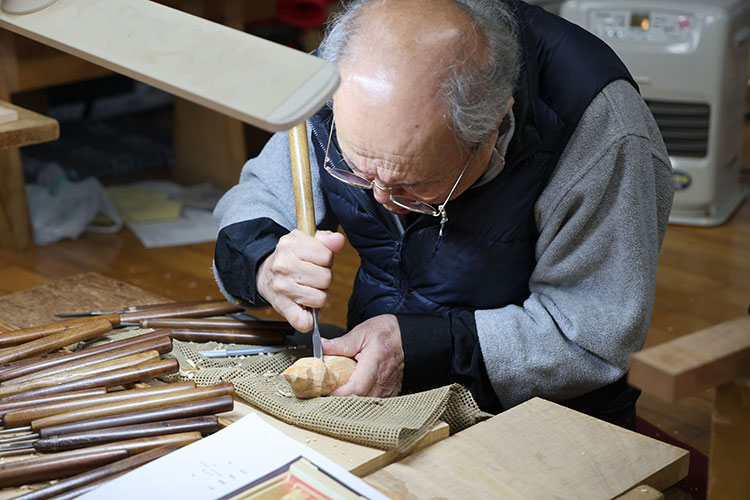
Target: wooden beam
[[695, 362]]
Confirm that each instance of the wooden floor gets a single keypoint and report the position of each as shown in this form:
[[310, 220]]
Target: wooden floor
[[704, 279]]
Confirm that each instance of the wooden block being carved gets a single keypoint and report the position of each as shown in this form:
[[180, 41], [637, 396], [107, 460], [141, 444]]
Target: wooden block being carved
[[312, 377], [8, 115]]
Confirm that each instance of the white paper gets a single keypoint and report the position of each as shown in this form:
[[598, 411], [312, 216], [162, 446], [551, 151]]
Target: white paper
[[247, 452], [194, 226]]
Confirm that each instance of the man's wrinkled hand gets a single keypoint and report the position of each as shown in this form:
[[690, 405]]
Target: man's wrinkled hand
[[297, 275], [376, 345]]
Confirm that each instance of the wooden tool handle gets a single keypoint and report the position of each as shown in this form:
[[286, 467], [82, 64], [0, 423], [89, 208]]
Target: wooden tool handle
[[183, 410], [271, 337], [5, 408], [170, 305], [25, 473], [160, 345], [25, 416], [210, 324], [133, 405], [178, 311], [136, 373], [35, 332], [301, 178], [79, 373], [29, 365], [88, 330], [100, 473], [204, 425]]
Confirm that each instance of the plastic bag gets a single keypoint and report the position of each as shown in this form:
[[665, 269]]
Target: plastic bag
[[59, 208]]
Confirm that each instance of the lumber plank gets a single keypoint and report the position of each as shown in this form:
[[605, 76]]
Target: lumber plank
[[695, 362], [537, 449], [28, 128]]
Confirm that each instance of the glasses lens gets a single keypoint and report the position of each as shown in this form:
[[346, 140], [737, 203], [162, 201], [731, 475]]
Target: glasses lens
[[414, 205], [350, 178]]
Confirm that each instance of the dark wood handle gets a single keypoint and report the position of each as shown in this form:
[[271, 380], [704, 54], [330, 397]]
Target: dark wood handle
[[79, 373], [301, 178], [29, 365], [25, 416], [99, 474], [230, 336], [88, 330], [183, 410], [5, 408], [161, 345], [210, 324], [25, 473], [204, 425], [133, 405], [35, 332], [137, 373], [179, 311]]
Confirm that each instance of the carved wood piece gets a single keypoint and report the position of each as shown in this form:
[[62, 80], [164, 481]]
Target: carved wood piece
[[313, 377]]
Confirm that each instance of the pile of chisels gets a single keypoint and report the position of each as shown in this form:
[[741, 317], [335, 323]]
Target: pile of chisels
[[85, 417]]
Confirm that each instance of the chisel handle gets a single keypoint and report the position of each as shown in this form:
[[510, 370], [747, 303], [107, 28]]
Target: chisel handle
[[29, 365], [133, 405], [85, 331], [79, 373], [183, 410], [25, 416], [129, 375], [25, 473], [210, 324], [181, 311], [103, 473], [35, 332], [6, 408], [269, 337], [204, 425], [161, 345]]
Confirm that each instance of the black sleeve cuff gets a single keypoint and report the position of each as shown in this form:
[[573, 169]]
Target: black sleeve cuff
[[440, 349], [240, 248]]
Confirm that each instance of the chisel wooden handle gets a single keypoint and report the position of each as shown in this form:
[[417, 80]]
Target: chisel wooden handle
[[136, 373], [230, 336], [55, 398], [181, 311], [161, 345], [99, 474], [29, 365], [25, 416], [204, 425], [183, 410], [131, 447], [85, 331], [35, 332], [25, 473], [210, 324], [77, 374], [133, 405]]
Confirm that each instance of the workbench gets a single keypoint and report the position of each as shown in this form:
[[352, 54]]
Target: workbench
[[535, 450]]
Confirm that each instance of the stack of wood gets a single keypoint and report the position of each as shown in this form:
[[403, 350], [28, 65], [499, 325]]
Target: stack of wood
[[95, 413]]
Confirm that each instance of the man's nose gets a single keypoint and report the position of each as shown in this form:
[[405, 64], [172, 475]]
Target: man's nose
[[381, 194]]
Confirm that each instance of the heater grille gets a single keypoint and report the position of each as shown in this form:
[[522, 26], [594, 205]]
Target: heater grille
[[684, 126]]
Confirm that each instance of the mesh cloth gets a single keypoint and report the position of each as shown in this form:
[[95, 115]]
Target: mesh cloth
[[384, 423]]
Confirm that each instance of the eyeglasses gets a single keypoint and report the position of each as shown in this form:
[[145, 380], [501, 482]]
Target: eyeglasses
[[404, 202]]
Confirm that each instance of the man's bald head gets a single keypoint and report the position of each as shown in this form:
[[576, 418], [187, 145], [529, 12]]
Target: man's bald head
[[455, 60]]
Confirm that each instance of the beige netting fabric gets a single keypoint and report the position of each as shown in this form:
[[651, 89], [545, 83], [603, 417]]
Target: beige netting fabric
[[384, 423]]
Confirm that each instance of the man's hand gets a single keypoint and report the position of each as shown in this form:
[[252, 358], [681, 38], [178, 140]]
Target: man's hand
[[298, 274], [376, 345]]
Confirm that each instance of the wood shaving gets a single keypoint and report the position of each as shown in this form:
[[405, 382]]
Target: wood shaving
[[286, 394]]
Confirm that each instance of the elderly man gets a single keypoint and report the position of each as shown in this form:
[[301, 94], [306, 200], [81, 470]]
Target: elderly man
[[505, 187]]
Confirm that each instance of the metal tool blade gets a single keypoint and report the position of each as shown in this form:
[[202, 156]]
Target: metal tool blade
[[247, 351], [316, 344], [86, 314], [16, 447]]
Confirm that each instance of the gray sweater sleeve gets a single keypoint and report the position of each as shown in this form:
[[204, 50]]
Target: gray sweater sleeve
[[601, 220]]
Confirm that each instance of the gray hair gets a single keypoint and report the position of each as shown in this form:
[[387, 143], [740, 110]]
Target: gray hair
[[476, 89]]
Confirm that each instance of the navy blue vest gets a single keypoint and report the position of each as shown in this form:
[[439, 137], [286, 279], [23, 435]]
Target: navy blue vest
[[486, 255]]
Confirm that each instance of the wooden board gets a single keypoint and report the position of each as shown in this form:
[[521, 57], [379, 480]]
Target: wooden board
[[259, 82], [82, 292], [535, 450], [695, 362], [29, 128], [8, 115]]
